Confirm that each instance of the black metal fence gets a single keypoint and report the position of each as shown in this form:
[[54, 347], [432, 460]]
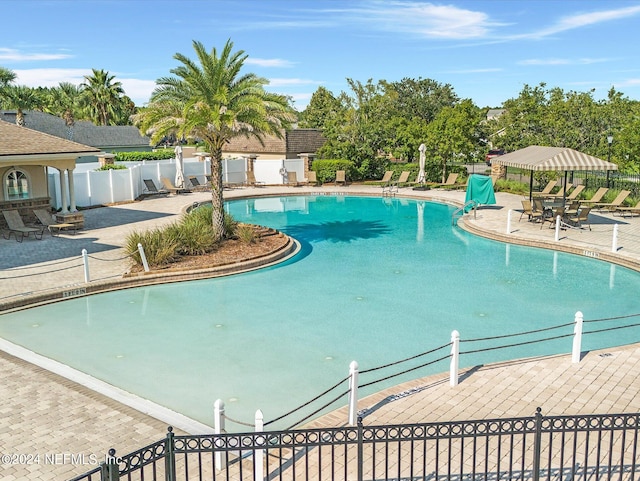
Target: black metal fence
[[590, 447]]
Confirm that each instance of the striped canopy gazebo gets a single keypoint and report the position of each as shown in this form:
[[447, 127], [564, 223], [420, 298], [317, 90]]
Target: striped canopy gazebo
[[561, 159]]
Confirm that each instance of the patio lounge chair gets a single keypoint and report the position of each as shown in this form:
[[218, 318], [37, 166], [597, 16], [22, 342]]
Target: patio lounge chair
[[251, 179], [16, 226], [597, 197], [46, 219], [341, 177], [451, 180], [168, 185], [393, 186], [547, 190], [575, 192], [612, 206], [527, 209], [195, 183], [580, 217], [312, 178], [624, 211], [292, 179], [151, 189], [386, 178]]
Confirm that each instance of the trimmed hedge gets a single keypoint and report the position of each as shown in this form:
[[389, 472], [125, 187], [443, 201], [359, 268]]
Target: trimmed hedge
[[160, 154]]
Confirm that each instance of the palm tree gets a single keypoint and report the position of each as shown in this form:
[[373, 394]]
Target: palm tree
[[21, 98], [213, 102], [103, 96], [65, 101]]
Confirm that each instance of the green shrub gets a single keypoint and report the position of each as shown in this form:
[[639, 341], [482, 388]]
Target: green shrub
[[112, 167], [159, 249], [192, 235], [512, 186], [246, 233], [159, 154]]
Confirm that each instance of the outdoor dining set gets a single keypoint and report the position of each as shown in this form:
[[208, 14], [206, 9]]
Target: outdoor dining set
[[573, 212]]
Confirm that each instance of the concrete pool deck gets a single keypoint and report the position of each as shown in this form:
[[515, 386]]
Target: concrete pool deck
[[46, 414]]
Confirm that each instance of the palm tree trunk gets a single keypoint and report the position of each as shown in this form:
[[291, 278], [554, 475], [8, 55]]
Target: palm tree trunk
[[217, 200]]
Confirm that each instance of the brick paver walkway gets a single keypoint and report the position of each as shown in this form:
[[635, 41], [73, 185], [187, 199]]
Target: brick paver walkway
[[44, 414]]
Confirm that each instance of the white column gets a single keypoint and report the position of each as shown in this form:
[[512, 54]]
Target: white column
[[72, 191], [63, 192], [455, 358]]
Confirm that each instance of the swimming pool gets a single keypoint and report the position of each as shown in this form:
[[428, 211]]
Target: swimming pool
[[377, 280]]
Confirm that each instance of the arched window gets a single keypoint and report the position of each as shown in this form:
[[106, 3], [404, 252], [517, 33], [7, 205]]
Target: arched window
[[16, 185]]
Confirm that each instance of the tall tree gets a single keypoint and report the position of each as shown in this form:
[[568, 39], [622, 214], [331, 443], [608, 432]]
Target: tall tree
[[103, 97], [214, 102], [453, 132], [21, 98], [65, 101]]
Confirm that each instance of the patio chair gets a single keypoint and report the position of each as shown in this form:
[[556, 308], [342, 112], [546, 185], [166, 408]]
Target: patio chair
[[168, 185], [16, 226], [612, 206], [550, 216], [312, 177], [251, 179], [292, 179], [597, 197], [623, 211], [527, 209], [151, 189], [197, 186], [46, 219], [547, 190], [341, 177], [580, 217]]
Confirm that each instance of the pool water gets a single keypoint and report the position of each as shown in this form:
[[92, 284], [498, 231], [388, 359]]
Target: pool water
[[377, 280]]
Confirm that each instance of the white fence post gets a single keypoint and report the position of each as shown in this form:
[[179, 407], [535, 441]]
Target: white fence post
[[577, 338], [85, 262], [455, 358], [258, 455], [557, 237], [143, 257], [353, 393], [218, 428], [509, 221], [614, 242]]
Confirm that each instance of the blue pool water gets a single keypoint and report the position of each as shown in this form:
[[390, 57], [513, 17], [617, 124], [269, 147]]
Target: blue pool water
[[377, 280]]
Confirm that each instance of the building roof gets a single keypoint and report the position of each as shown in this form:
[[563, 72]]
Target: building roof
[[295, 141], [84, 132], [17, 140], [540, 158]]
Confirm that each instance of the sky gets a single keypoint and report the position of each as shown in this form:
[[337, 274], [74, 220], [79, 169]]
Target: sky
[[486, 50]]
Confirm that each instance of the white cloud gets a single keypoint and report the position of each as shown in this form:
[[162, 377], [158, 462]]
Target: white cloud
[[11, 55], [427, 19], [50, 77], [584, 20], [562, 61], [279, 82], [137, 89], [268, 62]]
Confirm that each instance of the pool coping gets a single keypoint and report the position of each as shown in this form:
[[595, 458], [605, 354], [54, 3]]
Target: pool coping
[[281, 254]]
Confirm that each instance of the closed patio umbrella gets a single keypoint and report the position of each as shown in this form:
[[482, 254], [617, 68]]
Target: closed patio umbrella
[[179, 181], [421, 175]]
